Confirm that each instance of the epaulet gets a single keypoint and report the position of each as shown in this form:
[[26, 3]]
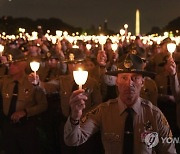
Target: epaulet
[[112, 101], [147, 78]]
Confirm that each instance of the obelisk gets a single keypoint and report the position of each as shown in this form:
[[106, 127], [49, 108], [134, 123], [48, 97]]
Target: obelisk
[[137, 28]]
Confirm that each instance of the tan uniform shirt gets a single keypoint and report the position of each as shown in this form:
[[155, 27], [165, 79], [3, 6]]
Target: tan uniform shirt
[[64, 85], [110, 117], [149, 90], [30, 97], [156, 60]]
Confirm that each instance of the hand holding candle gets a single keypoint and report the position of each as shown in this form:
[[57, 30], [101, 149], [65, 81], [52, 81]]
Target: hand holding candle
[[80, 77], [35, 66]]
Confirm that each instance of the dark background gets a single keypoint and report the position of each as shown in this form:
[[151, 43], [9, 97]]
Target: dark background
[[92, 13]]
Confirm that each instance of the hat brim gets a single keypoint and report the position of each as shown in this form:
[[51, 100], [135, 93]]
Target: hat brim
[[143, 73], [73, 61], [18, 60]]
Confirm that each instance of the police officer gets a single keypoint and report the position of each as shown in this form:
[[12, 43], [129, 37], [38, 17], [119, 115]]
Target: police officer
[[170, 69], [22, 102], [149, 90], [126, 123], [155, 63], [64, 85]]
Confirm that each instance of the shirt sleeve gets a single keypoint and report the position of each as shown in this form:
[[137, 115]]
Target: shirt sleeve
[[75, 135], [165, 135]]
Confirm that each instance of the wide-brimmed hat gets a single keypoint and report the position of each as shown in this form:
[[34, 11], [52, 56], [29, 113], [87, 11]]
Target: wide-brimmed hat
[[166, 41], [74, 55], [15, 55], [134, 49], [131, 63]]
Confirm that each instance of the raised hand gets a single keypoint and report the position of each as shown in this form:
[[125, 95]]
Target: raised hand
[[77, 104], [170, 66]]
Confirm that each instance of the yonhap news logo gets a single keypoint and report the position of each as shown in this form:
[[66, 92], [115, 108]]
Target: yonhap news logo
[[152, 139]]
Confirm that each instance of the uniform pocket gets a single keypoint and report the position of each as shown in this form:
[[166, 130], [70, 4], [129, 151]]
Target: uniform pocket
[[112, 137]]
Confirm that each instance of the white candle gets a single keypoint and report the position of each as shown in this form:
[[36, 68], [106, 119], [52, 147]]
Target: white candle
[[88, 46], [114, 46], [35, 66], [102, 41], [1, 49], [171, 48], [80, 77]]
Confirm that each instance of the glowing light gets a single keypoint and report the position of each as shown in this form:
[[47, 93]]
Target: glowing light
[[80, 77]]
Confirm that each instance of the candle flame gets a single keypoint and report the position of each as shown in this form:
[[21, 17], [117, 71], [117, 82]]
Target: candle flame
[[80, 69]]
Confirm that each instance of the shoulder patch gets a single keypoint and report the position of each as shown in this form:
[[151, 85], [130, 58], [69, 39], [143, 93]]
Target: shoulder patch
[[112, 101], [164, 120], [92, 112]]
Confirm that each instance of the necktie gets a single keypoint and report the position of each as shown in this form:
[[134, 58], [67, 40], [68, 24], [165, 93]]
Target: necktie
[[12, 107], [128, 133]]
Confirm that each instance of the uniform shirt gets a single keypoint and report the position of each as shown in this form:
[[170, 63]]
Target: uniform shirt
[[64, 85], [149, 90], [156, 61], [110, 117], [176, 93], [30, 97]]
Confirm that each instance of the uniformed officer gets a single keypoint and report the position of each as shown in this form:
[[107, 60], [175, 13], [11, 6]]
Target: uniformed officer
[[166, 100], [155, 63], [22, 102], [170, 69], [64, 85], [3, 65], [126, 118], [149, 90]]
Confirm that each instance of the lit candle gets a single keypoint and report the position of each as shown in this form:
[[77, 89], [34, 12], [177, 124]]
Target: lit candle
[[88, 46], [122, 32], [35, 66], [1, 49], [80, 77], [59, 33], [171, 48], [102, 41], [126, 27], [114, 46]]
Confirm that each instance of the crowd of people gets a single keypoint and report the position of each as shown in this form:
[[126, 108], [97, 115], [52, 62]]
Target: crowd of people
[[130, 93]]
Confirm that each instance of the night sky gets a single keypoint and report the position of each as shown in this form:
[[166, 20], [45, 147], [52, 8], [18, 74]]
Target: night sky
[[84, 13]]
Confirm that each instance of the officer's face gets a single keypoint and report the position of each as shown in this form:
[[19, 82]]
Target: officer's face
[[17, 68], [102, 58], [53, 63], [129, 86], [89, 65]]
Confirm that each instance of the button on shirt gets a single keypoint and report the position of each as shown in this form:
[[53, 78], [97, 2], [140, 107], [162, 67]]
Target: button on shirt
[[110, 117]]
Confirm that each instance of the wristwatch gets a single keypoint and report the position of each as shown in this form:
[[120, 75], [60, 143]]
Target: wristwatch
[[74, 122]]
